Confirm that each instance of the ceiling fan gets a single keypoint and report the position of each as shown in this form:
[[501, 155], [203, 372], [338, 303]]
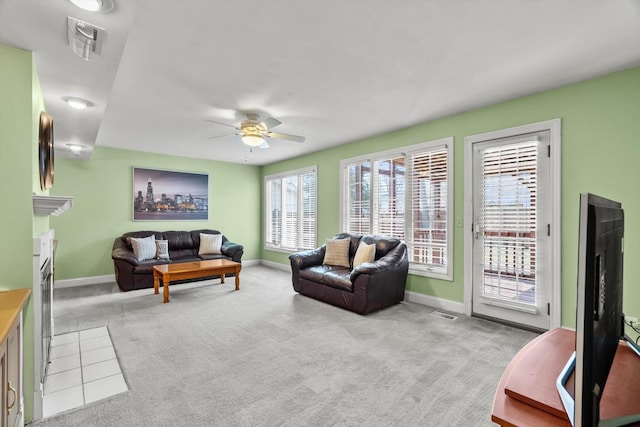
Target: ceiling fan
[[254, 131]]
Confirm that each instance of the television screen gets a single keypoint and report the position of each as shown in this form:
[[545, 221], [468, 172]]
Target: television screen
[[599, 315], [599, 319]]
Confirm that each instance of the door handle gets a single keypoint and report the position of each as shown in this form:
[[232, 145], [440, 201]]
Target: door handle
[[15, 398]]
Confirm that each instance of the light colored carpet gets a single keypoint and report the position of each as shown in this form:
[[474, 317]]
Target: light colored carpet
[[266, 356]]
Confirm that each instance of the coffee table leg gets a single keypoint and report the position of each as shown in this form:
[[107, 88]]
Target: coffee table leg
[[237, 281], [165, 285], [222, 278], [156, 283]]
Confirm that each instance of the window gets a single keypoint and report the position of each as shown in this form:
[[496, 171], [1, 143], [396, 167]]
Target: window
[[404, 193], [290, 210]]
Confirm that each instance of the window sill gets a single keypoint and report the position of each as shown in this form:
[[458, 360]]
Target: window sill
[[282, 250], [422, 271]]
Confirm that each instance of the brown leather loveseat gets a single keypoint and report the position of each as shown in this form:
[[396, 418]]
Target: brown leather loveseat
[[368, 287], [183, 247]]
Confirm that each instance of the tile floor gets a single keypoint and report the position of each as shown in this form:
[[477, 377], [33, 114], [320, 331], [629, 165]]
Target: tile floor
[[83, 369]]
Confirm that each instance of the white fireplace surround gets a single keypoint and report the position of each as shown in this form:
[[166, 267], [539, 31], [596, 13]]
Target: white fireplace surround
[[42, 293], [42, 260]]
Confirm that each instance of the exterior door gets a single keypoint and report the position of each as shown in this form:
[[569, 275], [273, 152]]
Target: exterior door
[[511, 244]]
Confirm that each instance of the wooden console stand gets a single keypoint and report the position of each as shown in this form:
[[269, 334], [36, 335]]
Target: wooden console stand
[[527, 395]]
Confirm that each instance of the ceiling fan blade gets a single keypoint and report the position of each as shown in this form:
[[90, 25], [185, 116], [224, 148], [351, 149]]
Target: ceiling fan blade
[[222, 136], [220, 123], [286, 136], [264, 145], [271, 123]]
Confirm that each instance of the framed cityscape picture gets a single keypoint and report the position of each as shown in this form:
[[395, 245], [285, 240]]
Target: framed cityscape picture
[[162, 195]]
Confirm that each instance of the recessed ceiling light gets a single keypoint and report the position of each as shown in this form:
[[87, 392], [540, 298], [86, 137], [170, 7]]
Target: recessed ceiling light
[[75, 147], [78, 103], [90, 5]]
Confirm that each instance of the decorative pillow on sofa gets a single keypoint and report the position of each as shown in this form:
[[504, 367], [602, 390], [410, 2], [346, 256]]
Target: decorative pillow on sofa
[[144, 248], [162, 249], [337, 253], [365, 253], [210, 244]]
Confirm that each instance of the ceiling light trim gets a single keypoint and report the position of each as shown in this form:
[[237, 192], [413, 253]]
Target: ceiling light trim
[[77, 103], [75, 148], [89, 5]]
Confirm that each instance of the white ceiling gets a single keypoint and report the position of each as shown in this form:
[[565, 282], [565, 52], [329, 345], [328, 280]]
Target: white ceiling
[[333, 71]]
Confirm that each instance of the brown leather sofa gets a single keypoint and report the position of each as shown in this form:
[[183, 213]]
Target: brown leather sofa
[[368, 287], [183, 247]]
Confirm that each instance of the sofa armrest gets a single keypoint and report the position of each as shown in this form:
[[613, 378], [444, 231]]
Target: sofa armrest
[[123, 254], [305, 259], [232, 250], [396, 259]]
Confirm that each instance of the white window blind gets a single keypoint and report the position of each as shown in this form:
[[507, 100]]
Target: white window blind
[[388, 197], [509, 218], [307, 200], [405, 194], [429, 207], [357, 197], [290, 211], [273, 212]]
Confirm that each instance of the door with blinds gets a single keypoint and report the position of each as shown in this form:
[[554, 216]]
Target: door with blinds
[[511, 229]]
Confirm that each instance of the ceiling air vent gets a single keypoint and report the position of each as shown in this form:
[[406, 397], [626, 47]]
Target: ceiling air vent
[[84, 39]]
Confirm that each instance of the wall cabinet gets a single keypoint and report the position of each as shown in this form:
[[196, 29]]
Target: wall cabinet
[[11, 342]]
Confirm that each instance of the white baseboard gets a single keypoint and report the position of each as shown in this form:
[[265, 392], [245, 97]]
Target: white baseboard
[[439, 303], [435, 302], [431, 301], [94, 280], [82, 281], [276, 265]]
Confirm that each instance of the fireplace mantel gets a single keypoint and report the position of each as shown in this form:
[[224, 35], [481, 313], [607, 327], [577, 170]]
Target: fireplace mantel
[[51, 205]]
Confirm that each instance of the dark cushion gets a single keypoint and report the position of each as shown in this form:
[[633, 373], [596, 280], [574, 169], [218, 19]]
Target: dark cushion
[[330, 275], [384, 244], [126, 237], [179, 240], [146, 266]]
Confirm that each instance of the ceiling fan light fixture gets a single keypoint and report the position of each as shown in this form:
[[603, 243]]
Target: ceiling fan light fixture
[[253, 139]]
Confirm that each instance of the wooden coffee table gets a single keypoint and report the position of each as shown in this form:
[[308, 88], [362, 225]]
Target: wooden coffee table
[[193, 270]]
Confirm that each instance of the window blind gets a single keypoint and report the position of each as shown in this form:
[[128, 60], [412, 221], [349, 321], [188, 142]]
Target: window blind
[[388, 197], [290, 211], [428, 204], [357, 197], [508, 221], [404, 193]]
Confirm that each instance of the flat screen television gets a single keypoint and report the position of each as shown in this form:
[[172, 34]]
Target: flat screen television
[[599, 316]]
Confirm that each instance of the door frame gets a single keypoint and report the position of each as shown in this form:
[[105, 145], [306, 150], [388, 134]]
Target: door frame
[[554, 128]]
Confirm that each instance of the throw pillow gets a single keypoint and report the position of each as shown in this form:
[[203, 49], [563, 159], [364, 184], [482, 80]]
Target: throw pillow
[[365, 253], [210, 244], [337, 252], [144, 248], [162, 249]]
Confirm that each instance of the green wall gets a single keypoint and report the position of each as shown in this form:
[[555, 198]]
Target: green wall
[[103, 196], [600, 154], [20, 108]]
